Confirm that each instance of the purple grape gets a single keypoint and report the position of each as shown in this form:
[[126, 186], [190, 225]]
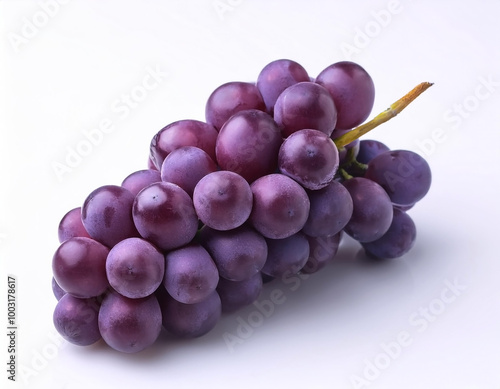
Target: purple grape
[[186, 132], [185, 166], [135, 268], [352, 90], [322, 250], [75, 319], [223, 200], [57, 290], [330, 211], [248, 144], [280, 206], [286, 256], [164, 214], [71, 225], [230, 98], [129, 325], [369, 149], [276, 76], [305, 105], [238, 294], [138, 180], [372, 210], [190, 274], [397, 241], [107, 215], [404, 175], [151, 165], [79, 267], [190, 320], [238, 254], [309, 157]]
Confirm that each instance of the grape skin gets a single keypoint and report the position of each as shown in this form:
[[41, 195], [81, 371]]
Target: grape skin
[[129, 325], [372, 210], [71, 225], [286, 256], [238, 294], [137, 181], [57, 290], [322, 250], [190, 274], [369, 149], [280, 207]]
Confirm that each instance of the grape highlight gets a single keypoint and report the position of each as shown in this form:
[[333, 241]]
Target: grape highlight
[[264, 189]]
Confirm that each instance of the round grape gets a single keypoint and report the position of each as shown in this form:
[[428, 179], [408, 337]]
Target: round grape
[[322, 250], [137, 181], [238, 294], [286, 256], [369, 149], [71, 225]]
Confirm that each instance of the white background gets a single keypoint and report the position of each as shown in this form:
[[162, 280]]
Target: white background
[[65, 70]]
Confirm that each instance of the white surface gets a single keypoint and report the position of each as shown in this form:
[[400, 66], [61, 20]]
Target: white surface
[[68, 75]]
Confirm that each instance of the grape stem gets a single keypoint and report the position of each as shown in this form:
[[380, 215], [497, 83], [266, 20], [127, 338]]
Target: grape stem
[[382, 117]]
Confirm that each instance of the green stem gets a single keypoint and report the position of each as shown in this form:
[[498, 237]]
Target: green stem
[[386, 115]]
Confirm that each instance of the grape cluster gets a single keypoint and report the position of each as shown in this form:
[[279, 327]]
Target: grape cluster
[[257, 192]]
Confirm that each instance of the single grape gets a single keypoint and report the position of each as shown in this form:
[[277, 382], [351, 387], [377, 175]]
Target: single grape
[[79, 267], [309, 157], [138, 180], [107, 214], [129, 325], [151, 165], [369, 149], [248, 144], [372, 210], [352, 90], [305, 105], [190, 320], [185, 166], [190, 274], [164, 214], [57, 290], [280, 206], [286, 256], [238, 294], [404, 175], [223, 200], [135, 268], [330, 211], [397, 241], [322, 250], [230, 98], [71, 225], [187, 132], [75, 319], [238, 254]]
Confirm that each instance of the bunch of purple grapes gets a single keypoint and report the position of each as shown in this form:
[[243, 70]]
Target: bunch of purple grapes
[[257, 192]]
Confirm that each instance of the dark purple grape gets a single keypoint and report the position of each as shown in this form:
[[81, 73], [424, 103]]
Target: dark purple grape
[[79, 267], [280, 206], [151, 165], [397, 241], [286, 256], [238, 294], [185, 166], [75, 319], [190, 320], [57, 290], [330, 211], [71, 225], [404, 175], [186, 132], [276, 76], [369, 149], [107, 215], [238, 254], [248, 144], [322, 250], [230, 98], [135, 268], [352, 90], [309, 157], [305, 105], [372, 210], [164, 214], [190, 274], [138, 180], [129, 325], [223, 200]]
